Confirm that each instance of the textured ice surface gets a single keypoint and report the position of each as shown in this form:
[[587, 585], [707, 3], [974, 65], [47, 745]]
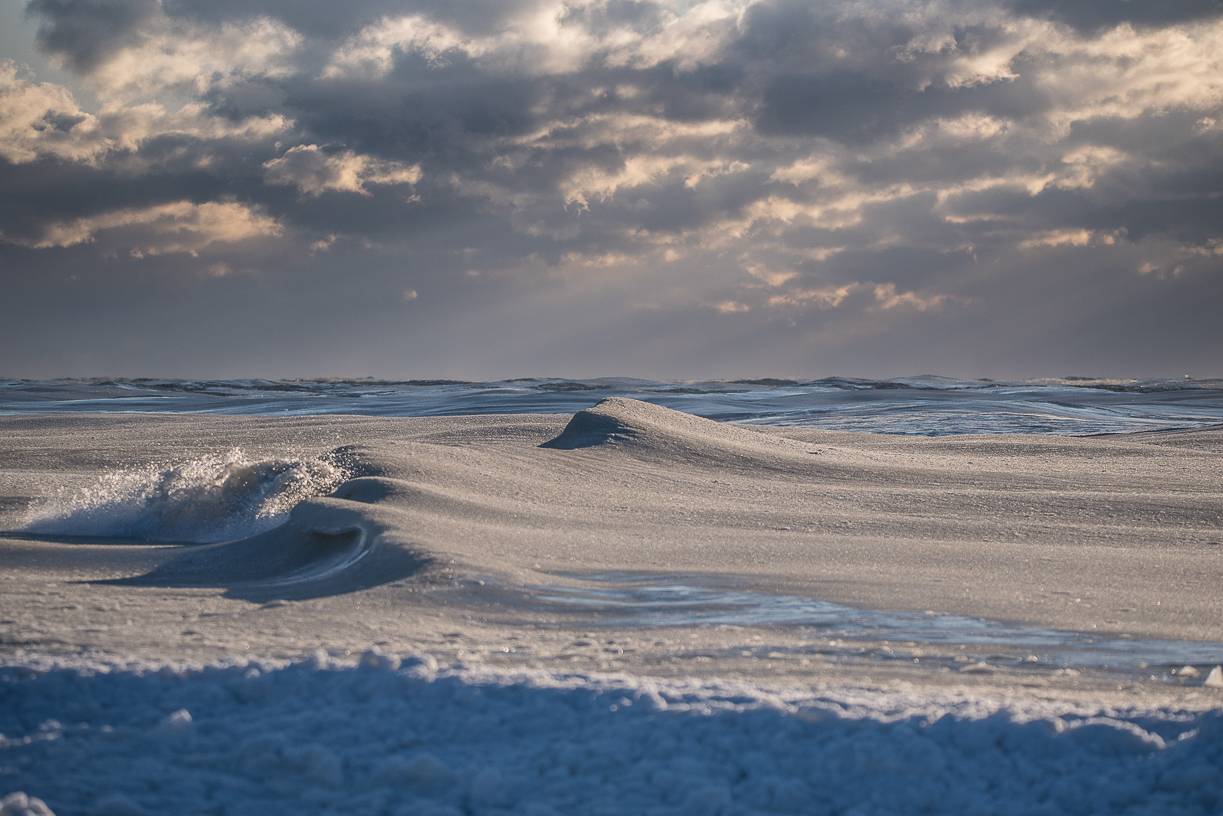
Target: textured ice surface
[[620, 599], [1115, 533], [387, 736]]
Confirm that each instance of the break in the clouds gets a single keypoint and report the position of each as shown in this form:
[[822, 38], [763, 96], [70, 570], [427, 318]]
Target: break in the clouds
[[659, 187]]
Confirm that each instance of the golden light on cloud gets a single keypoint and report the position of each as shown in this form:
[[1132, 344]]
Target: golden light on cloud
[[313, 171], [180, 226]]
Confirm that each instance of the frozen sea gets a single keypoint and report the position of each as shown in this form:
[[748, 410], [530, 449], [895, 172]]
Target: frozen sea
[[921, 405], [535, 597]]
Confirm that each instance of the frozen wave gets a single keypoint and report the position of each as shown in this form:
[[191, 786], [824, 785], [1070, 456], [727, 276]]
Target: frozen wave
[[211, 498]]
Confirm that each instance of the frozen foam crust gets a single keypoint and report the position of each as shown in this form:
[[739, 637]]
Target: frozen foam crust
[[395, 734]]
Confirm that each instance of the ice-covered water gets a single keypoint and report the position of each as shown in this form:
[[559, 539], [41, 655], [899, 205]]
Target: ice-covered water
[[621, 599], [912, 405]]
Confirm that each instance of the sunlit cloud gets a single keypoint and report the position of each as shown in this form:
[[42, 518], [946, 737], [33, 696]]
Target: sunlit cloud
[[197, 59], [40, 118], [178, 227], [314, 171], [372, 51]]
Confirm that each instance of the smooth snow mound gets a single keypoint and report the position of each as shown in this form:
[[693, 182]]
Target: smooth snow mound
[[212, 498], [398, 736], [643, 425]]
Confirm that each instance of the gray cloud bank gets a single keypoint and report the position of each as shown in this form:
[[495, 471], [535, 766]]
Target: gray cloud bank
[[616, 186]]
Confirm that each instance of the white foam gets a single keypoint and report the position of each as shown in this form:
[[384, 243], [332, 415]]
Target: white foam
[[215, 497]]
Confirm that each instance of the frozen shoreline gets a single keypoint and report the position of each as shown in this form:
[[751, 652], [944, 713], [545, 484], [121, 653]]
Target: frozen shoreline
[[447, 536]]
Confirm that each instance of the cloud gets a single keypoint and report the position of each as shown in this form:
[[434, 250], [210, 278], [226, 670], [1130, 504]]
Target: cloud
[[186, 58], [833, 172], [178, 227], [731, 307], [888, 297], [314, 171], [131, 48], [87, 32], [328, 20], [38, 119], [1097, 14], [825, 297], [1067, 238], [885, 296], [372, 51]]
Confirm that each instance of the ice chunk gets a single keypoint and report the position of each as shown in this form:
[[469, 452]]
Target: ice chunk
[[21, 804], [179, 720], [376, 659]]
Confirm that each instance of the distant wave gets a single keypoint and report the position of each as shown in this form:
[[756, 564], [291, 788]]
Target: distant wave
[[212, 498], [924, 404]]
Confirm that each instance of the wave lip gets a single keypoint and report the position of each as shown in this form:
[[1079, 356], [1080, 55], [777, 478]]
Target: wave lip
[[212, 498], [329, 546]]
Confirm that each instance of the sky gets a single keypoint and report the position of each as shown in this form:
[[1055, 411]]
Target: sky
[[660, 188]]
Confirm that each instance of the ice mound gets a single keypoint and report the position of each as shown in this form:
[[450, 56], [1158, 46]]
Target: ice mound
[[608, 421], [619, 420], [213, 498], [659, 434]]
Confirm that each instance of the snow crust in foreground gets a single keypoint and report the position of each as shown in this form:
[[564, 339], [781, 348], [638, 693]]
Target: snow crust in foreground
[[392, 736]]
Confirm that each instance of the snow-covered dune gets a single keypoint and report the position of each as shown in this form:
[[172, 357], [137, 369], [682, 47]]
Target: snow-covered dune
[[1114, 534]]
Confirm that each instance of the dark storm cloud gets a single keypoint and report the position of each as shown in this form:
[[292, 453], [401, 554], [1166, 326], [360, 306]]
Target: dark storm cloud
[[86, 32], [1174, 192], [862, 79], [330, 19], [856, 107], [1097, 14], [400, 116], [830, 177]]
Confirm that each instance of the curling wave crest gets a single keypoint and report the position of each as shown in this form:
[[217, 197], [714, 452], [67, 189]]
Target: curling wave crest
[[213, 498]]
